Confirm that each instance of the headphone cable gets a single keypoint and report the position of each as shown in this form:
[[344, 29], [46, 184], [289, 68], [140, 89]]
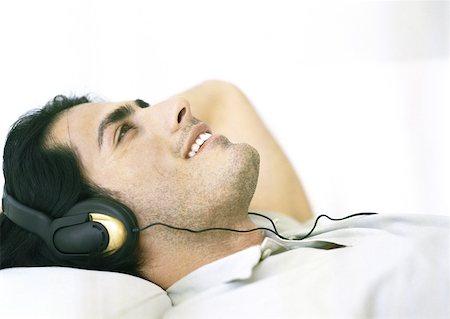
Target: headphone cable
[[274, 231]]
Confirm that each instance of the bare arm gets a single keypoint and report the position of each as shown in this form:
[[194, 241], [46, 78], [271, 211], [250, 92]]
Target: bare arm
[[228, 111]]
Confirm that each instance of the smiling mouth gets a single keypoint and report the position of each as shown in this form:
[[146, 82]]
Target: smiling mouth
[[202, 138]]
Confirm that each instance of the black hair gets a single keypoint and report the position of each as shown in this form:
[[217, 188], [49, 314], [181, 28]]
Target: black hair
[[47, 177]]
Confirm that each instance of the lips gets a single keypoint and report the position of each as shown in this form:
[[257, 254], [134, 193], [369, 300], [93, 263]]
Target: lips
[[200, 132]]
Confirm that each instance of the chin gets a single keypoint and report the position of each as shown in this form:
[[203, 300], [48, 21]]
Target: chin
[[250, 157], [244, 169], [224, 180]]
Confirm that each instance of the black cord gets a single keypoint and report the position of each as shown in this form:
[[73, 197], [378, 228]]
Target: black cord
[[330, 218], [269, 219], [196, 231], [274, 231]]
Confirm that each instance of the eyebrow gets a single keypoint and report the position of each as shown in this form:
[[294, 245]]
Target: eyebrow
[[118, 115], [142, 104]]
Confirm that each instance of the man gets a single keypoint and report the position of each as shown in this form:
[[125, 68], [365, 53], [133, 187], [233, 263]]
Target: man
[[141, 156], [169, 167]]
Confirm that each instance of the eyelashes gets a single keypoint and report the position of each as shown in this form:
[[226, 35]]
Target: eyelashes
[[122, 131], [126, 127]]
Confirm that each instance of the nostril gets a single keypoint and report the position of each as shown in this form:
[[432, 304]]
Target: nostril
[[181, 114]]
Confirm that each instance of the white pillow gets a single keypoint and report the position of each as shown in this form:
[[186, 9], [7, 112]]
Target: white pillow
[[59, 292]]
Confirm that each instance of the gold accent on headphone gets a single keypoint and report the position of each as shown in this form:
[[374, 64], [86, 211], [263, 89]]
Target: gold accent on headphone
[[116, 231]]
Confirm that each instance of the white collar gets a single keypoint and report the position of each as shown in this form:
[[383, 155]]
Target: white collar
[[238, 266]]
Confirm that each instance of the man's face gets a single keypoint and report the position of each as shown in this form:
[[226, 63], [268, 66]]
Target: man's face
[[141, 155]]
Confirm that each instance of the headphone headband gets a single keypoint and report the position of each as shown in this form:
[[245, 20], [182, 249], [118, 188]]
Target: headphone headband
[[26, 217]]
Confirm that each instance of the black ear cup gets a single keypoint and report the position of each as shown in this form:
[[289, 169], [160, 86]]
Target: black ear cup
[[94, 236], [108, 228], [97, 226]]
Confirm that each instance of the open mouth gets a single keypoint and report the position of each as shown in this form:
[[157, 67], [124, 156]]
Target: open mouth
[[200, 140]]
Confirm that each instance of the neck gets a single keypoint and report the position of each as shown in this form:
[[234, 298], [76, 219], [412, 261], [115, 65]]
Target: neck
[[169, 255]]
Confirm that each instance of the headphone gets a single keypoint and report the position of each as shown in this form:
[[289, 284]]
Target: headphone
[[94, 227], [103, 227]]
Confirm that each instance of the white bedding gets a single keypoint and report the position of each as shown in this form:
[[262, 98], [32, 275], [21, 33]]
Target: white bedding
[[393, 266], [58, 292]]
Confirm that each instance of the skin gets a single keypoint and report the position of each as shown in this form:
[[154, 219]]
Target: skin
[[149, 172]]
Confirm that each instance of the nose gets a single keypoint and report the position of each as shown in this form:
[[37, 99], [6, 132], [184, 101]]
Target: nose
[[179, 113], [167, 116]]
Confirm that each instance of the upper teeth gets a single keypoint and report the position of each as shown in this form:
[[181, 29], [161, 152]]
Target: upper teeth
[[198, 142]]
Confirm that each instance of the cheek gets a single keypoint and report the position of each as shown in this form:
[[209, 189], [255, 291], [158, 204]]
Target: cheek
[[132, 166]]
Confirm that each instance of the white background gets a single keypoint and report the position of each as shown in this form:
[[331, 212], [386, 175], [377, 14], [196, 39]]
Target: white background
[[357, 92]]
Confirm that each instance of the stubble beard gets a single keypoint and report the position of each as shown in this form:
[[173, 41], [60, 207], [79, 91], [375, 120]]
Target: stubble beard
[[221, 200]]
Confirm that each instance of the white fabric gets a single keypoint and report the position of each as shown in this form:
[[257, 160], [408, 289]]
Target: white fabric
[[393, 266], [58, 292]]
